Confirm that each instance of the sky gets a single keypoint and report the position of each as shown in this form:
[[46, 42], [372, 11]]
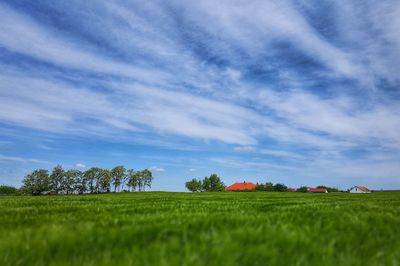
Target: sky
[[295, 92]]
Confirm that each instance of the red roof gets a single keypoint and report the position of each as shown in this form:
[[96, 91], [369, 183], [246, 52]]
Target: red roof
[[318, 190], [241, 186]]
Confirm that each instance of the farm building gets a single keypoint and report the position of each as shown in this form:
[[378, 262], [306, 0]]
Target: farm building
[[359, 189], [317, 190], [241, 186]]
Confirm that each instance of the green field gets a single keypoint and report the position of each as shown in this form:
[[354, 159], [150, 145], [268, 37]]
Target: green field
[[161, 228]]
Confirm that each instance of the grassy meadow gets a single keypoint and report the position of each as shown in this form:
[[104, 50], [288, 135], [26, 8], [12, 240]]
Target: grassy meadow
[[161, 228]]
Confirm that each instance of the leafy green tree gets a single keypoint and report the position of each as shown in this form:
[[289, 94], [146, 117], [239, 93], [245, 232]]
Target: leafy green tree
[[265, 187], [36, 182], [105, 180], [269, 186], [92, 177], [206, 184], [69, 182], [98, 175], [140, 180], [330, 189], [133, 179], [280, 187], [211, 183], [8, 190], [194, 185], [124, 180], [303, 189], [147, 177], [56, 179], [260, 187], [80, 185], [118, 173], [215, 183]]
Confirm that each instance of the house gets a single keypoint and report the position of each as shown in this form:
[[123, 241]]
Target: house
[[292, 190], [241, 186], [359, 189], [317, 190]]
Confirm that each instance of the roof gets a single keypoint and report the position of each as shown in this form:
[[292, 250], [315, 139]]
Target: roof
[[318, 190], [365, 189], [241, 186]]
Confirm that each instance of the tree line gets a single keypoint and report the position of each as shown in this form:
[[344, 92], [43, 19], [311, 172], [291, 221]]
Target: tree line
[[271, 187], [329, 189], [93, 180], [214, 183], [208, 184], [8, 190]]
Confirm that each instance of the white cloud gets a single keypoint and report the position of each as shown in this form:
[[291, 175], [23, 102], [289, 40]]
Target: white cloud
[[163, 81], [157, 169], [244, 148], [22, 160], [80, 165], [22, 34]]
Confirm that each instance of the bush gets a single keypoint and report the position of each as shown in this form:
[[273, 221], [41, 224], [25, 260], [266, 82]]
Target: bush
[[8, 190], [330, 189], [212, 183], [303, 189], [280, 188]]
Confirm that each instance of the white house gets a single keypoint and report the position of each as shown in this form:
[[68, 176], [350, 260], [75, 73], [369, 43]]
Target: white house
[[359, 189]]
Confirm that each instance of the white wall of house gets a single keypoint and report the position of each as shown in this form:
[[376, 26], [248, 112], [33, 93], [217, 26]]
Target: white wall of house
[[357, 190]]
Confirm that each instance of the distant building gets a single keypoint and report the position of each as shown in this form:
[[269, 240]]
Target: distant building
[[359, 189], [317, 190], [241, 186], [292, 189]]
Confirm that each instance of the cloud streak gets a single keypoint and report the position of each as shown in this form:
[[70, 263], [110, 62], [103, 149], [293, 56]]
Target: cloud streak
[[284, 81]]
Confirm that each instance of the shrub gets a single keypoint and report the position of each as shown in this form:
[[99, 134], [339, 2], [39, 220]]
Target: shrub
[[8, 190]]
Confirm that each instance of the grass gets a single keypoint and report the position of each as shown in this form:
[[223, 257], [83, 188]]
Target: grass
[[160, 228]]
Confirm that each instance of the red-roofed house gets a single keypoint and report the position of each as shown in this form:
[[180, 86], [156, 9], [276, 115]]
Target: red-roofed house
[[359, 189], [241, 186], [317, 190]]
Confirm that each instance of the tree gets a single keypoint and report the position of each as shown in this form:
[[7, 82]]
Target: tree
[[8, 190], [260, 187], [147, 177], [36, 182], [215, 183], [105, 177], [330, 189], [68, 184], [56, 179], [80, 185], [303, 189], [211, 183], [93, 180], [269, 186], [206, 184], [133, 179], [118, 174], [92, 177], [124, 180], [280, 188], [194, 185], [265, 187]]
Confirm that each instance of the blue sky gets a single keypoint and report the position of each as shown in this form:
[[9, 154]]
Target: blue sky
[[299, 92]]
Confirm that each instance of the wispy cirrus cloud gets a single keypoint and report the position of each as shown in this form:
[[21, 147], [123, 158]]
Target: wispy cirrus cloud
[[283, 80], [22, 160]]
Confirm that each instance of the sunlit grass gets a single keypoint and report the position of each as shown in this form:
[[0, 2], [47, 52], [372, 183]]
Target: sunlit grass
[[156, 228]]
